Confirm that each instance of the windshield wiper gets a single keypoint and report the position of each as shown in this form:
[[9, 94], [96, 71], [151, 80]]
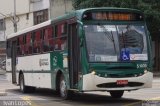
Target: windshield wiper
[[109, 35], [123, 40]]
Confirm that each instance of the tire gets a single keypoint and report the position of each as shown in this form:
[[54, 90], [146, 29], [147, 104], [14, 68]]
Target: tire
[[116, 94], [64, 93], [23, 88]]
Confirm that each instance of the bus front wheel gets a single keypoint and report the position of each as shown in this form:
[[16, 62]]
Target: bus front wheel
[[116, 94], [64, 93]]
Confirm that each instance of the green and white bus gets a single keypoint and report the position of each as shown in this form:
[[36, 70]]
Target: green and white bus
[[94, 49]]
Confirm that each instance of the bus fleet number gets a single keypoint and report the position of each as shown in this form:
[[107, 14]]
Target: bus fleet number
[[141, 65]]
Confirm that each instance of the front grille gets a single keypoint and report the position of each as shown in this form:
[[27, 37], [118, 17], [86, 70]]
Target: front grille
[[114, 85], [122, 68], [120, 76]]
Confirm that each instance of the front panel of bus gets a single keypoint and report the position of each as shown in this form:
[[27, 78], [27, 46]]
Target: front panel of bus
[[117, 48]]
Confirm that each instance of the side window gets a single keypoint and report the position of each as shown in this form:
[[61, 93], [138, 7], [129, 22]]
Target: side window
[[45, 40], [48, 43], [53, 31], [21, 45], [56, 31], [37, 41], [61, 39], [33, 40], [18, 46], [64, 29], [24, 42], [8, 49], [51, 40], [28, 47]]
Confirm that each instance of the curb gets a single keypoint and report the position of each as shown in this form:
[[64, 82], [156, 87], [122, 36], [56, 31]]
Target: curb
[[2, 72], [3, 93], [156, 74]]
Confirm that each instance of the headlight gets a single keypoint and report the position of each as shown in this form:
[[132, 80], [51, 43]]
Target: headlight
[[106, 75], [93, 72], [145, 71]]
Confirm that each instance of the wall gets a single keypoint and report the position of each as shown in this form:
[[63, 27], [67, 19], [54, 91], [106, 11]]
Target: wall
[[60, 7], [7, 7], [36, 5], [22, 8], [22, 24]]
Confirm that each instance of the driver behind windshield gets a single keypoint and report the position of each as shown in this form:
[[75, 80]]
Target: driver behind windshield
[[132, 40]]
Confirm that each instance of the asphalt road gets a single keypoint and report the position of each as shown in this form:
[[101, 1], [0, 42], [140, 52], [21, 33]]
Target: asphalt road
[[45, 97]]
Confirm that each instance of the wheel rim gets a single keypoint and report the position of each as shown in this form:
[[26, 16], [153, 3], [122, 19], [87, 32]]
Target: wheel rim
[[63, 88]]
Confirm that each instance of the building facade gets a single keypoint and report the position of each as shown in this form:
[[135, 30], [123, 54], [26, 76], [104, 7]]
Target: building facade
[[60, 7], [28, 13]]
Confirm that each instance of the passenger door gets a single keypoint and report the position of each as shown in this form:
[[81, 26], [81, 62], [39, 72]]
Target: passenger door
[[13, 61], [74, 55]]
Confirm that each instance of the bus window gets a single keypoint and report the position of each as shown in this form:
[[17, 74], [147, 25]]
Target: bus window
[[64, 29], [63, 43], [53, 31], [48, 42], [18, 47], [24, 43], [8, 49], [56, 31], [45, 40], [37, 41], [61, 40], [21, 45], [50, 39], [28, 49]]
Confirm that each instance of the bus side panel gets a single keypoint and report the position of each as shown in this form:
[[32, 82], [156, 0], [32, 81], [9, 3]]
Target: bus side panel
[[36, 69], [8, 69], [59, 62]]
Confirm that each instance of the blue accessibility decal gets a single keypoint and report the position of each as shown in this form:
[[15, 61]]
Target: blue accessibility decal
[[125, 55]]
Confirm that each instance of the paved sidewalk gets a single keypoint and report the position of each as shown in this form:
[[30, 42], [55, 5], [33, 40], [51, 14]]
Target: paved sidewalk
[[3, 92], [156, 74], [2, 84], [2, 72]]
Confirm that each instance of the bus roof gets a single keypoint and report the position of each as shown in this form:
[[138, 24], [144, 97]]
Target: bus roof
[[78, 14], [29, 29]]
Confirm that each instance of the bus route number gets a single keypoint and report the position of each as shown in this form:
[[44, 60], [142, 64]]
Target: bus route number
[[55, 61], [141, 65]]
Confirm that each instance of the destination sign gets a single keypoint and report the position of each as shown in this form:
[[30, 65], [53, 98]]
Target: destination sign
[[113, 16]]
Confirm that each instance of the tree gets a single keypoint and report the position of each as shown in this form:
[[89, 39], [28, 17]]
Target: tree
[[151, 9]]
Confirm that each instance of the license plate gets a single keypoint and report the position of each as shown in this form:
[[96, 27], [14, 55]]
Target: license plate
[[122, 82]]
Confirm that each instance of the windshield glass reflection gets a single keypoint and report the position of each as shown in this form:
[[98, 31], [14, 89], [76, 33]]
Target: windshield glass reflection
[[110, 43]]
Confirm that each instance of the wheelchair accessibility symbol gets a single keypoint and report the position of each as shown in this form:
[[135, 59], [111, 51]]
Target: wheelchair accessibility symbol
[[125, 56]]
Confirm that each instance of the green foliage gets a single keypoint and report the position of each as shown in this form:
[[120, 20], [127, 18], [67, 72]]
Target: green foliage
[[151, 9]]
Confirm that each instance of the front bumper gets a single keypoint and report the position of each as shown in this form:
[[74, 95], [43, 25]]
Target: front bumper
[[91, 82]]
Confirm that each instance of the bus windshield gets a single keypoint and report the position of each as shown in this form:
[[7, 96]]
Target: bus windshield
[[113, 43]]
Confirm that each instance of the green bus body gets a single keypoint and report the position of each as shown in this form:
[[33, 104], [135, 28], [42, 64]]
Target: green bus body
[[81, 71], [128, 69]]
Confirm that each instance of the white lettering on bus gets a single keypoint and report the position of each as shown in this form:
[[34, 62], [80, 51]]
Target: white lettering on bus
[[43, 62]]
